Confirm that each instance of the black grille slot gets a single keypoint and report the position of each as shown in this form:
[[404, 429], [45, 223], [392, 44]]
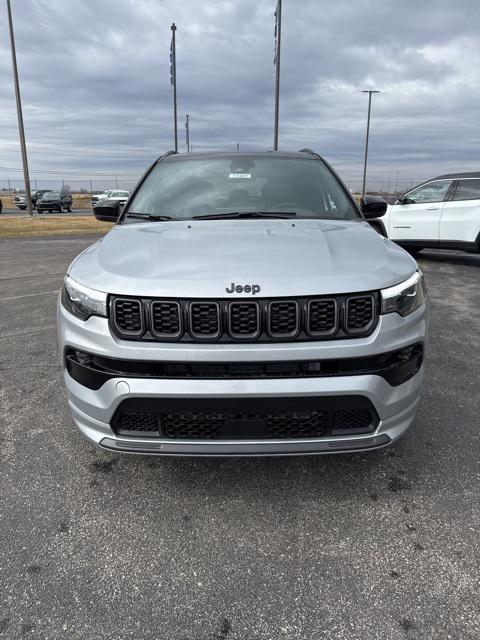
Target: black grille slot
[[283, 318], [322, 317], [244, 319], [166, 319], [128, 316], [205, 319], [359, 313]]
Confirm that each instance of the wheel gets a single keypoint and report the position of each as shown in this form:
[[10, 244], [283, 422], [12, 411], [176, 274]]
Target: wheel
[[50, 211], [60, 209], [69, 208]]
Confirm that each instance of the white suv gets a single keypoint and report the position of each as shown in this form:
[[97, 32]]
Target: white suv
[[443, 213]]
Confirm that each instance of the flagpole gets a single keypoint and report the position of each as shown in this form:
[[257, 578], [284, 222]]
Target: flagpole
[[21, 129], [187, 133], [278, 14], [174, 69]]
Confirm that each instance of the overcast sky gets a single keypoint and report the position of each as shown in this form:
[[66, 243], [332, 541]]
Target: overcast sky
[[96, 91]]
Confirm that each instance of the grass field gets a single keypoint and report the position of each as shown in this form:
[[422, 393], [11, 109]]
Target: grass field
[[13, 227]]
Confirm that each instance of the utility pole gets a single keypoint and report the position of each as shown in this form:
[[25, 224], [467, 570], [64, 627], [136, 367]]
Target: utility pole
[[369, 91], [278, 38], [9, 187], [173, 81], [21, 129], [187, 132], [116, 182], [238, 146], [91, 187]]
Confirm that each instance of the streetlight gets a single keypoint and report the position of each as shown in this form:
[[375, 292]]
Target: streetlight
[[21, 129], [369, 91]]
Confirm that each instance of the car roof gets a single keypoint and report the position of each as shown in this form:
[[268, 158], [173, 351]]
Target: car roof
[[472, 174], [180, 157]]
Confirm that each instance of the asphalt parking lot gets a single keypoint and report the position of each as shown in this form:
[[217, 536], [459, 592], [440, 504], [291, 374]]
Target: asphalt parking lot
[[93, 545]]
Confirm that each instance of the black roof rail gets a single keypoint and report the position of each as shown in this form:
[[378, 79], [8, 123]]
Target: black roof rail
[[165, 155]]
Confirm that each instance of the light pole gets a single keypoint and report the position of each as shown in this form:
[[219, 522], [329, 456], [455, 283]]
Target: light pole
[[21, 129], [278, 42], [173, 80], [369, 91]]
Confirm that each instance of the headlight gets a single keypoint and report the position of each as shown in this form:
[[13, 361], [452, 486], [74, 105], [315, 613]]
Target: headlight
[[82, 301], [406, 297]]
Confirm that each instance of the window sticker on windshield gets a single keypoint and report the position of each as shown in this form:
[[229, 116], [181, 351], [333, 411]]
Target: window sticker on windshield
[[239, 176]]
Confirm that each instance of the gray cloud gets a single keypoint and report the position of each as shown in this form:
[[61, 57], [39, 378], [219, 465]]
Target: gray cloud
[[95, 83]]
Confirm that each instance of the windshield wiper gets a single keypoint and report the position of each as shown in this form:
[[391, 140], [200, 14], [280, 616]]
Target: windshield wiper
[[149, 216], [247, 214]]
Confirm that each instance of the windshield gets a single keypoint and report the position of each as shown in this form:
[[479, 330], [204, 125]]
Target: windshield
[[196, 187], [119, 194], [51, 194]]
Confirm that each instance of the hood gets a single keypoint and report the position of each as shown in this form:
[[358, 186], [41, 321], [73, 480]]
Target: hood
[[202, 258]]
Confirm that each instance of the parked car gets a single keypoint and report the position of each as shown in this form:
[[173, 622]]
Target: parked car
[[120, 196], [20, 201], [100, 196], [442, 213], [115, 196], [36, 195], [242, 305], [55, 201]]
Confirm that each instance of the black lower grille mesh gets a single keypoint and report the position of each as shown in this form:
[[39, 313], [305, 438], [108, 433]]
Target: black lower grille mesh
[[250, 423], [137, 421], [352, 419]]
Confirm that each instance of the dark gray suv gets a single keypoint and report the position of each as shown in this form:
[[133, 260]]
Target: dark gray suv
[[54, 201]]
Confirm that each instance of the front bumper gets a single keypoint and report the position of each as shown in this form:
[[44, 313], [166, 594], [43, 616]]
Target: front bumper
[[46, 206], [93, 410]]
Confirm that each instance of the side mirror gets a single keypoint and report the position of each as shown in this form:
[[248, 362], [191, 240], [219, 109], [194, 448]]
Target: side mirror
[[373, 207], [404, 200], [107, 210]]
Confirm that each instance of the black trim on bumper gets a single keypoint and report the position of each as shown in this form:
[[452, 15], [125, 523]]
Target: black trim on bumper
[[264, 419], [396, 367], [248, 448]]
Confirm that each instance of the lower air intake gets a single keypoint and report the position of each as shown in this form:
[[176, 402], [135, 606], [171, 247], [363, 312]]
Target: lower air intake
[[295, 418]]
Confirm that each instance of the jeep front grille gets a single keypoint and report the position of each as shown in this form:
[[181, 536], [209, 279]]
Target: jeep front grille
[[262, 320]]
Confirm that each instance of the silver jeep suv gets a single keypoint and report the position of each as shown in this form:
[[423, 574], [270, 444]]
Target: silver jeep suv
[[242, 305]]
